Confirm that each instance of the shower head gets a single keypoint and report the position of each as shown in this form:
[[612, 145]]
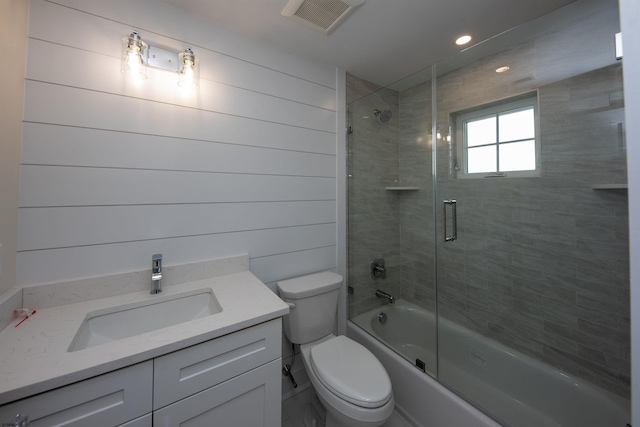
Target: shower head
[[383, 116]]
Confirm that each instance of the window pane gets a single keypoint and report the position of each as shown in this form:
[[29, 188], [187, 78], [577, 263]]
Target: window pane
[[481, 131], [481, 159], [518, 156], [518, 125]]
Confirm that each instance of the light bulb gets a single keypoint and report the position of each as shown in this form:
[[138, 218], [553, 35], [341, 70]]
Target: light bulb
[[133, 61], [189, 73], [134, 54]]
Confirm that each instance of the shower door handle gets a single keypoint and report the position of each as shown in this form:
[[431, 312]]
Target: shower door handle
[[454, 220]]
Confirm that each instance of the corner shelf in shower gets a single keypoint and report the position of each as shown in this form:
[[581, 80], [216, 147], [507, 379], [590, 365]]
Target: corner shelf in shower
[[402, 188], [609, 186]]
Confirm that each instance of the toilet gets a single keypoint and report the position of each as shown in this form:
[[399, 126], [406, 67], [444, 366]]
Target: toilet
[[349, 381]]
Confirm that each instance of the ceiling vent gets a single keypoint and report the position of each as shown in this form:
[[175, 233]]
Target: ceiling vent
[[321, 15]]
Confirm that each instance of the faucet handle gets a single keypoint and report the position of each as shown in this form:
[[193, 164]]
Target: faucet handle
[[378, 269], [156, 273], [156, 262], [21, 420]]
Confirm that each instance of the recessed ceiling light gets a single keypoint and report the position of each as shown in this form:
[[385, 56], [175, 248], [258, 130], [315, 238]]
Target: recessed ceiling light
[[502, 69], [463, 40]]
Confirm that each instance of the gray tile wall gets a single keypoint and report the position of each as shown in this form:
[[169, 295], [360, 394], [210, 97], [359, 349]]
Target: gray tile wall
[[416, 216], [541, 264], [372, 164]]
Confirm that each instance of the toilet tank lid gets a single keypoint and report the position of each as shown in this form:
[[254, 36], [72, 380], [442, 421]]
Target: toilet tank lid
[[310, 285]]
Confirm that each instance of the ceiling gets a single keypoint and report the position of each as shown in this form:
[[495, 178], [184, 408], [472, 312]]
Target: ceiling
[[383, 40]]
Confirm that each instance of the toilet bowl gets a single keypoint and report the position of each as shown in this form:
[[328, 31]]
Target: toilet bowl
[[349, 381]]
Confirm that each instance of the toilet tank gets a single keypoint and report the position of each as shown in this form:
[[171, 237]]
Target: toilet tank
[[315, 297]]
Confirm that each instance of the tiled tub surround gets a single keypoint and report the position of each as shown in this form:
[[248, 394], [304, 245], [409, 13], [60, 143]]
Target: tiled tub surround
[[485, 371], [396, 225], [34, 356], [372, 161], [541, 264]]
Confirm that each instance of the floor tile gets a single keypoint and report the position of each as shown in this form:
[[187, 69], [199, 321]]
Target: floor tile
[[396, 420], [294, 407]]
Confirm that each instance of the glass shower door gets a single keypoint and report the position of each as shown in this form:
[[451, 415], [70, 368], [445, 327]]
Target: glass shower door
[[391, 215], [532, 267]]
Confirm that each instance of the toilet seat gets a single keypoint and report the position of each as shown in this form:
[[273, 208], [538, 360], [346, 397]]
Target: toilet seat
[[351, 372]]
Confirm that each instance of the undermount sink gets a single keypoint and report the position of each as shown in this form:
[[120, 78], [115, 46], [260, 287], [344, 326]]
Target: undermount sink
[[115, 323]]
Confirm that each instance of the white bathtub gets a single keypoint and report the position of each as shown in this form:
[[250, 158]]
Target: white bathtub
[[515, 388]]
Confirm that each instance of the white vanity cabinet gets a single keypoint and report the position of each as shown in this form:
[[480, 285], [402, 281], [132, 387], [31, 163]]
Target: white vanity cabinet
[[233, 380], [251, 399], [230, 381], [144, 421], [106, 400]]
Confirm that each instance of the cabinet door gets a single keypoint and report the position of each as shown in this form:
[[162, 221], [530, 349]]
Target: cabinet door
[[186, 372], [146, 421], [106, 400], [251, 399]]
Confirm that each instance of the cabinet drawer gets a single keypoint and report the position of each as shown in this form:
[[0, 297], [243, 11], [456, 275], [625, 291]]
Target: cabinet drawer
[[189, 371], [251, 399], [106, 400]]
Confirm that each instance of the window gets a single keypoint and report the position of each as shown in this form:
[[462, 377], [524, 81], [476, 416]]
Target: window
[[499, 139]]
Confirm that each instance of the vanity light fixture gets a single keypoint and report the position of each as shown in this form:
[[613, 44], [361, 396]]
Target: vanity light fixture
[[189, 70], [462, 40], [138, 55], [135, 54], [502, 69]]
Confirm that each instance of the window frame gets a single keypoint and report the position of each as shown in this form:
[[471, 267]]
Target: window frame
[[505, 106]]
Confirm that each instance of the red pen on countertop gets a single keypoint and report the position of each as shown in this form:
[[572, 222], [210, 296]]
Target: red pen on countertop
[[27, 312]]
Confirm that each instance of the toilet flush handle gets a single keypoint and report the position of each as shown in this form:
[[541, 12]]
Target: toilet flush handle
[[291, 305]]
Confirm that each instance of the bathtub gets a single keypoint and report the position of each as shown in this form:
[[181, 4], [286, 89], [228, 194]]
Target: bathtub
[[516, 388]]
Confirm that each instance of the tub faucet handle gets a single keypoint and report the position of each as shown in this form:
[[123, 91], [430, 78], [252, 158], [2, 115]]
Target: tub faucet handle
[[378, 269]]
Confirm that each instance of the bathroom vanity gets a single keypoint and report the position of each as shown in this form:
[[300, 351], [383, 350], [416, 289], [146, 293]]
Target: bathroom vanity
[[222, 368]]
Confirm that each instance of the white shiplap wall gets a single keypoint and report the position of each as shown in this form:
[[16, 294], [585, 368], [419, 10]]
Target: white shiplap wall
[[113, 171]]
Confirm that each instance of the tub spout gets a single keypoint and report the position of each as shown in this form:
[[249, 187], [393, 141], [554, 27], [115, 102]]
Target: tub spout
[[383, 294]]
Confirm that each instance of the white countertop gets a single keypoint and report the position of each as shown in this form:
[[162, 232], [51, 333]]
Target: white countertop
[[34, 356]]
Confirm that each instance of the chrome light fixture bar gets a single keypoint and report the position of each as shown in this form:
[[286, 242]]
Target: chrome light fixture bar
[[138, 55]]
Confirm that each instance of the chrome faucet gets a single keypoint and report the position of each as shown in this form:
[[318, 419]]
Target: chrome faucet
[[383, 294], [378, 269], [156, 273], [21, 420]]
